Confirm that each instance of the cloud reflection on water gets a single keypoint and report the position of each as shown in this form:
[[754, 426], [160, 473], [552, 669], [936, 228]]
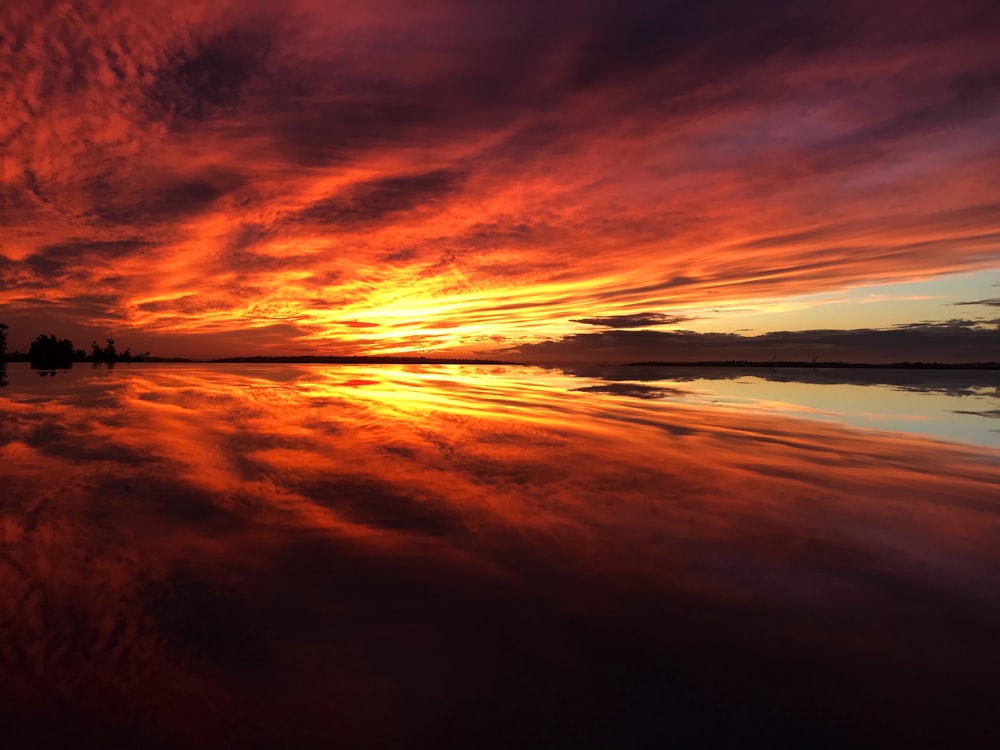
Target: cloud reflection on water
[[430, 556], [941, 404]]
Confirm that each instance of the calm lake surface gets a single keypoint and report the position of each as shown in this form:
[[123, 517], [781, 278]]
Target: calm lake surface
[[464, 557]]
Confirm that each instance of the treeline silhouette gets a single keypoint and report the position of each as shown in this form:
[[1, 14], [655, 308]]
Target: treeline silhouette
[[3, 355], [48, 352]]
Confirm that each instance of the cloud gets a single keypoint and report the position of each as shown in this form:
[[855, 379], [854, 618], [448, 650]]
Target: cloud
[[398, 256], [207, 77], [632, 390], [954, 323], [53, 261], [988, 413], [993, 302], [954, 382], [374, 200], [169, 200], [636, 320]]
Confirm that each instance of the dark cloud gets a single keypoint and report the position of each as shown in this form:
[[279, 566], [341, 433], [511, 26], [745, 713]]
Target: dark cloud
[[371, 201], [636, 320], [208, 77], [954, 382], [325, 279], [251, 263], [713, 38], [951, 100], [93, 305], [249, 235], [166, 201], [189, 304], [79, 259], [498, 234], [632, 390], [954, 323], [967, 221], [398, 256], [317, 132], [988, 413], [993, 302], [323, 111], [533, 266], [162, 305], [54, 261], [83, 248]]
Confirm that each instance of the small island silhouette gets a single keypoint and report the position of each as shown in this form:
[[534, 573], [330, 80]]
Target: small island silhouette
[[3, 355], [48, 353]]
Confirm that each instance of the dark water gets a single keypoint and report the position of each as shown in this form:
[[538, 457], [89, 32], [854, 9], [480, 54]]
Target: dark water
[[446, 557]]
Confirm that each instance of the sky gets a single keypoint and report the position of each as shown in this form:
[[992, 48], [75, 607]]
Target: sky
[[596, 180]]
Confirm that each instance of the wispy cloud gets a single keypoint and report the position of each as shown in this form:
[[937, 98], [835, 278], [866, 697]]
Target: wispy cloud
[[994, 302], [636, 320]]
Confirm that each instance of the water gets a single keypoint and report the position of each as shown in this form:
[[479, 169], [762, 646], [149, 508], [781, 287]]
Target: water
[[265, 556]]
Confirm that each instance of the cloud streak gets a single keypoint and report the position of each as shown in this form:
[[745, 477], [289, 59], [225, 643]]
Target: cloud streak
[[636, 320]]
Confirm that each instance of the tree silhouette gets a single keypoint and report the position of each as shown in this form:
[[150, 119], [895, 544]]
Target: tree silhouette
[[110, 354], [3, 355], [106, 353], [50, 353]]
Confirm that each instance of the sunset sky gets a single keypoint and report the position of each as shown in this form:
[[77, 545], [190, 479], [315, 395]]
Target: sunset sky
[[533, 180]]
